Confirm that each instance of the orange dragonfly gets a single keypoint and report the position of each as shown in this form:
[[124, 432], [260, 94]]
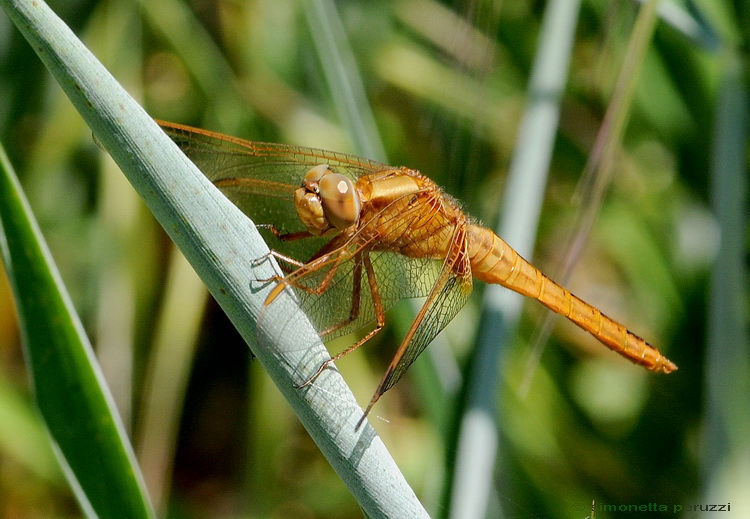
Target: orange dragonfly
[[355, 236]]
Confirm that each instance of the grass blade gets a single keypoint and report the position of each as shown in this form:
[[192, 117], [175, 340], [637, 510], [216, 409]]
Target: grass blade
[[69, 388], [727, 372], [343, 78]]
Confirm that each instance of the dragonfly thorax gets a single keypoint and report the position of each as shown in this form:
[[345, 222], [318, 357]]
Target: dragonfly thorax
[[327, 200]]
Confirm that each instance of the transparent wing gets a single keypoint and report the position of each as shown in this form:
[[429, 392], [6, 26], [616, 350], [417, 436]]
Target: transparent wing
[[260, 178], [448, 295]]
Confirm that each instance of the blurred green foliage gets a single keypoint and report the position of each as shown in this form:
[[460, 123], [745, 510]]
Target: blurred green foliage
[[447, 84]]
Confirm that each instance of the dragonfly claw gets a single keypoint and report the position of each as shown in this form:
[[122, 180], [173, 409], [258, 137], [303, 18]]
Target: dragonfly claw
[[312, 379], [257, 261]]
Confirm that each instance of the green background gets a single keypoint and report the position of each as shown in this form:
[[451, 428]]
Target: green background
[[447, 84]]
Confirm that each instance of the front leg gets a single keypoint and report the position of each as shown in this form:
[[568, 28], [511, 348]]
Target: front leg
[[284, 236], [331, 261], [329, 257], [283, 260]]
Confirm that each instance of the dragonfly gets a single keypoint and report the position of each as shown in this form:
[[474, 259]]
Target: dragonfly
[[355, 236]]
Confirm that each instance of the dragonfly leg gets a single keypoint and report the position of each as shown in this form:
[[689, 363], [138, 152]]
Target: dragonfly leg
[[356, 298], [284, 236], [305, 269], [284, 262], [353, 314], [283, 259], [335, 259], [287, 260], [359, 260], [330, 254]]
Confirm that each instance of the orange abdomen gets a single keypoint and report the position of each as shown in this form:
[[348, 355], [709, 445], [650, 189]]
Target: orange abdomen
[[494, 261]]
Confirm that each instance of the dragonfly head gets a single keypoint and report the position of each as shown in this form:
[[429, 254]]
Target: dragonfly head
[[327, 200]]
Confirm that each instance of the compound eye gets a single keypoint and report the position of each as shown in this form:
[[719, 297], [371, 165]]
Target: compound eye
[[315, 174], [340, 199]]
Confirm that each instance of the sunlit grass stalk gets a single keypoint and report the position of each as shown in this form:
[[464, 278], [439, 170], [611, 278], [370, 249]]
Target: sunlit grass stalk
[[599, 169], [727, 370], [597, 174], [343, 78]]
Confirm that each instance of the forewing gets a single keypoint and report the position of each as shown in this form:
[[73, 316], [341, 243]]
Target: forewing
[[260, 178]]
